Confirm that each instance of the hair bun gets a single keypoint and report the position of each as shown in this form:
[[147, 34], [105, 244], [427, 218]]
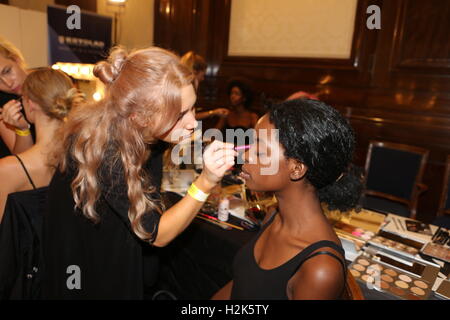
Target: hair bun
[[108, 71], [63, 104]]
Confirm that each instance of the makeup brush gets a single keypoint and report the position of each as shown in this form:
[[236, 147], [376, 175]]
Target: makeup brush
[[243, 147], [237, 148]]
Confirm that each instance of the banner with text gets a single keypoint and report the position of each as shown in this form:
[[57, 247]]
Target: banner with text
[[76, 36]]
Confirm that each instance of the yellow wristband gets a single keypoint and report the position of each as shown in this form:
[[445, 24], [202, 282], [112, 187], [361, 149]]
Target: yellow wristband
[[23, 133], [197, 194]]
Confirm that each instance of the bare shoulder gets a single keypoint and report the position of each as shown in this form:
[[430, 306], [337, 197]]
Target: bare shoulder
[[10, 174], [323, 267], [322, 273], [7, 164]]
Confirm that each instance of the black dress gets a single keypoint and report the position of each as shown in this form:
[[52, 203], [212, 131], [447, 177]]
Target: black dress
[[83, 260], [20, 233]]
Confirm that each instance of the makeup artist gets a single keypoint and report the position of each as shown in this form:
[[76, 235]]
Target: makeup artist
[[102, 207], [14, 129]]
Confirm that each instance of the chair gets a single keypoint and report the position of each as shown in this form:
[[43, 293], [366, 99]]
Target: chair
[[352, 289], [442, 217], [393, 178]]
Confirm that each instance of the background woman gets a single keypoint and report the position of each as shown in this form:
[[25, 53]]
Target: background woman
[[240, 116], [198, 65], [15, 136], [48, 95]]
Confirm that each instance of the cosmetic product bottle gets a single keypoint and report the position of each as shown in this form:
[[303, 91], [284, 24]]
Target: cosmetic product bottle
[[224, 206]]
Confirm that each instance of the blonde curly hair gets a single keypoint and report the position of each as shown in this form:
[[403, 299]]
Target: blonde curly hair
[[144, 85]]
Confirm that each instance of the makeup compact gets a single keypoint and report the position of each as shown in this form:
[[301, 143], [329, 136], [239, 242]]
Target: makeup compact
[[409, 229], [444, 290], [398, 247], [376, 274], [357, 235], [437, 251], [353, 231]]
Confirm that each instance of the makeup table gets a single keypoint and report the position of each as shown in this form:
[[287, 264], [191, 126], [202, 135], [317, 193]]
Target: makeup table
[[199, 262], [388, 260]]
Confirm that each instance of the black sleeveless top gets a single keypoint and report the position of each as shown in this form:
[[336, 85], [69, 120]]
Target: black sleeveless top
[[108, 254], [250, 282], [20, 236]]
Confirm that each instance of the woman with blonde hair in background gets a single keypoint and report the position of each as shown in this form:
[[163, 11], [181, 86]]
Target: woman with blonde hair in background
[[48, 96], [14, 128], [198, 65], [103, 206]]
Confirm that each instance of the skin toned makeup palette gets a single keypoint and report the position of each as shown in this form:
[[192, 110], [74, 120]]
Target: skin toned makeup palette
[[389, 279], [437, 251], [394, 246]]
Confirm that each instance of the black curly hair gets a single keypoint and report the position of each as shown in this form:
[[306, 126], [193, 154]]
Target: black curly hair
[[320, 137], [247, 92]]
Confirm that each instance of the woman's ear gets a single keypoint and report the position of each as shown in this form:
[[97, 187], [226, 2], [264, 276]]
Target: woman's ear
[[32, 106], [297, 170]]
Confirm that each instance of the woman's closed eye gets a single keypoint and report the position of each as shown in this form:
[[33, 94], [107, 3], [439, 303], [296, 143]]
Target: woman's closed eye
[[186, 112], [6, 71]]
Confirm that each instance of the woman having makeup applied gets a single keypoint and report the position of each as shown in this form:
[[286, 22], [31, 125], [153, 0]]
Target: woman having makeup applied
[[103, 207], [14, 128], [297, 254]]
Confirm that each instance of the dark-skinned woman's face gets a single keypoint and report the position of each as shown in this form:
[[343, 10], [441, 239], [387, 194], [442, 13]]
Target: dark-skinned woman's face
[[236, 96], [265, 167]]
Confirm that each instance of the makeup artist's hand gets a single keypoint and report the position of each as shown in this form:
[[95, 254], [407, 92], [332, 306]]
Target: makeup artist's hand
[[217, 159], [12, 115]]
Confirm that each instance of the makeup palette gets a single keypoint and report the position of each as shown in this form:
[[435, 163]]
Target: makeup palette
[[389, 279], [437, 251], [356, 232], [394, 246], [444, 290]]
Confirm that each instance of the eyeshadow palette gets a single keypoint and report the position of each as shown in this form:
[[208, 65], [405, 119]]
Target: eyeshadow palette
[[356, 232], [437, 251], [394, 246], [388, 279], [444, 290]]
